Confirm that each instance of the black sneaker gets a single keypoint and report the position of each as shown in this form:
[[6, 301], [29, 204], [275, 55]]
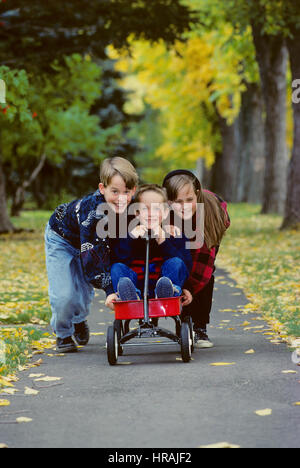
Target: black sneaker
[[82, 333], [201, 339], [66, 345]]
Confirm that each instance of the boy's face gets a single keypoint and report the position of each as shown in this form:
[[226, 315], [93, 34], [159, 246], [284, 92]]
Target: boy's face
[[117, 194], [152, 209]]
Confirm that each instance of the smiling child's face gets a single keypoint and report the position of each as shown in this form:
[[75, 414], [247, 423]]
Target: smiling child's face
[[117, 194], [185, 204], [151, 209]]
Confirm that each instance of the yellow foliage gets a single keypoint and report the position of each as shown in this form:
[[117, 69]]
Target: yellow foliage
[[187, 83]]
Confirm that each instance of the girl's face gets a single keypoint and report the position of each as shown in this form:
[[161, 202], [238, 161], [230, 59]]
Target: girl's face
[[117, 194], [185, 204], [151, 209]]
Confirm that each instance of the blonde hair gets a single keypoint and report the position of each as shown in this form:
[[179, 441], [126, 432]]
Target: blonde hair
[[151, 188], [118, 166], [214, 216]]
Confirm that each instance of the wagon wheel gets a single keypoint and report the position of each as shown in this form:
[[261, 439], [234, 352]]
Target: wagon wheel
[[118, 325], [190, 322], [186, 342], [126, 326], [112, 345]]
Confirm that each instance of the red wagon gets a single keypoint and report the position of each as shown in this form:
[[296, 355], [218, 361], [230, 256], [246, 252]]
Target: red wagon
[[147, 312]]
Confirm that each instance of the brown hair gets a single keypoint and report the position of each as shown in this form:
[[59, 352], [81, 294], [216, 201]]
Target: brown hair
[[214, 216], [151, 188], [118, 166]]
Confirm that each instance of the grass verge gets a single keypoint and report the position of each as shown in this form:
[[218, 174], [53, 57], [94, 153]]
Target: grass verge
[[265, 261], [24, 304]]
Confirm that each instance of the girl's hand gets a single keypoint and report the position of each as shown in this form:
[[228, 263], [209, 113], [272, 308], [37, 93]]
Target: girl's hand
[[110, 299], [139, 231], [187, 297]]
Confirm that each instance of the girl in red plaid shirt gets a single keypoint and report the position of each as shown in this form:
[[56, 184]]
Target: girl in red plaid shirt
[[185, 192]]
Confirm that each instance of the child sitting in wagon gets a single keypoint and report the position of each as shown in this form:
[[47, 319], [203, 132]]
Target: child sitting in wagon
[[170, 261]]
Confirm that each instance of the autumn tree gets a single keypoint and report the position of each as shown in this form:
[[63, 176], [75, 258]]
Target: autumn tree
[[34, 34], [196, 86]]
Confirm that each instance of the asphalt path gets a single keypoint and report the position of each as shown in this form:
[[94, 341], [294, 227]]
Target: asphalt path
[[152, 399]]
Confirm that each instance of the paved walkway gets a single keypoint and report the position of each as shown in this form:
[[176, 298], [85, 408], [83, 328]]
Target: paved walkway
[[152, 399]]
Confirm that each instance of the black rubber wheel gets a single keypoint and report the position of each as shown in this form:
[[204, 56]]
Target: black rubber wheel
[[186, 345], [126, 327], [192, 334], [112, 345], [118, 325]]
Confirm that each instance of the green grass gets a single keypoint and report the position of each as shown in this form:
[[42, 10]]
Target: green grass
[[265, 263], [23, 290]]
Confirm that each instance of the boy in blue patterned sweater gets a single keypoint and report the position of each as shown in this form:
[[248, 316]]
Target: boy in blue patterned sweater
[[77, 259]]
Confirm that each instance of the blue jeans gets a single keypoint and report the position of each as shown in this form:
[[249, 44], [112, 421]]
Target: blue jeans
[[174, 269], [69, 293]]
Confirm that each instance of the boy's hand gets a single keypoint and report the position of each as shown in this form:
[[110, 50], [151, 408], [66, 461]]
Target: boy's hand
[[139, 231], [109, 301], [159, 234], [173, 231], [187, 297]]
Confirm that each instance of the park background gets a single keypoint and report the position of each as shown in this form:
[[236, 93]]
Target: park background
[[207, 85]]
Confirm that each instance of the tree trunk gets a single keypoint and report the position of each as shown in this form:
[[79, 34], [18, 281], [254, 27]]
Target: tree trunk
[[272, 58], [19, 197], [250, 147], [5, 223], [224, 169], [292, 206]]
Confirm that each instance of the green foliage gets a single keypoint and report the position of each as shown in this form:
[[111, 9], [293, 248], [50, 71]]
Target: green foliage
[[50, 113]]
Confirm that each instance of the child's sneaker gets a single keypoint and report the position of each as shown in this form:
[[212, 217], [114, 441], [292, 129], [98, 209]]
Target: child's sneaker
[[201, 338], [66, 345], [127, 290], [82, 333], [164, 288]]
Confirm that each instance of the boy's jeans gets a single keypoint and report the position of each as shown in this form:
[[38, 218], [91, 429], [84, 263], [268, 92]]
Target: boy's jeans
[[69, 293], [173, 268]]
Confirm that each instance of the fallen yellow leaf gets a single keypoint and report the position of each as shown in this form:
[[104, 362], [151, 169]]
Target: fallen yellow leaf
[[4, 403], [222, 363], [23, 420], [9, 391], [30, 391], [264, 412], [289, 372], [47, 379], [2, 446], [250, 351], [4, 381], [297, 403], [220, 445]]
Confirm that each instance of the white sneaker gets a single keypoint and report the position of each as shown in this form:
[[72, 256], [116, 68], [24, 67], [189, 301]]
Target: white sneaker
[[201, 339]]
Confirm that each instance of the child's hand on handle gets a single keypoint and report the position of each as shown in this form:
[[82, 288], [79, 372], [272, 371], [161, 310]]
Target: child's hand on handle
[[139, 231], [187, 297], [173, 231], [110, 299], [159, 234]]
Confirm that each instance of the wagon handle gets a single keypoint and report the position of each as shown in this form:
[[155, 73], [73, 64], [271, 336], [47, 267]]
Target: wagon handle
[[146, 285]]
